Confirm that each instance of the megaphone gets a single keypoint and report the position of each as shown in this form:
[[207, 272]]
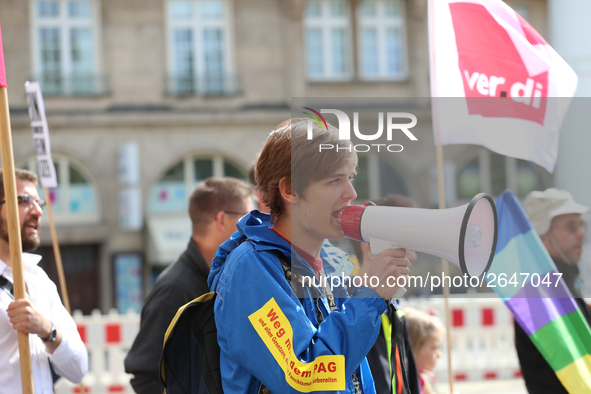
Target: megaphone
[[466, 235]]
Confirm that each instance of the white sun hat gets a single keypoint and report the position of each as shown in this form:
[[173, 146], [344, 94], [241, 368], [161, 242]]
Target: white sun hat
[[542, 207]]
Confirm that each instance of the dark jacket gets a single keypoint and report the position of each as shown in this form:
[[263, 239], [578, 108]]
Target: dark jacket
[[380, 365], [539, 377], [178, 284]]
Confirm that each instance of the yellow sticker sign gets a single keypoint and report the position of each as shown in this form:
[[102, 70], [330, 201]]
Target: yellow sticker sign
[[325, 373]]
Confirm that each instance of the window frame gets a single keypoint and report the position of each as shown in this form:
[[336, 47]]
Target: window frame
[[64, 23], [383, 23], [325, 24], [229, 68], [218, 160], [64, 216]]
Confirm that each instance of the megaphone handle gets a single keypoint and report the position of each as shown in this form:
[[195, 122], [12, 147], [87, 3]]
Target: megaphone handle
[[377, 246], [399, 293]]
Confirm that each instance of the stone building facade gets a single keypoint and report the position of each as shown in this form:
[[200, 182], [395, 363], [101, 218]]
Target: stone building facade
[[174, 91]]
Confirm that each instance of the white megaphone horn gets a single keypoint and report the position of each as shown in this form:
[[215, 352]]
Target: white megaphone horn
[[466, 235]]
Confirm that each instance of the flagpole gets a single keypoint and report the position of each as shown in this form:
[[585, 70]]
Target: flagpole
[[56, 252], [58, 260], [445, 268], [440, 180], [14, 234]]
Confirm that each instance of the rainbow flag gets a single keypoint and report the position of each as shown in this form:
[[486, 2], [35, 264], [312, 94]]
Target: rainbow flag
[[532, 288], [2, 69]]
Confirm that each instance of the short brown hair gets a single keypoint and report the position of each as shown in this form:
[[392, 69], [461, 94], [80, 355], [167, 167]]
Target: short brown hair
[[214, 195], [289, 154], [391, 200], [20, 175]]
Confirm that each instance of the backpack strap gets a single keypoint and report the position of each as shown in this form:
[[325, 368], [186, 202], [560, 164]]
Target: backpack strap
[[294, 279]]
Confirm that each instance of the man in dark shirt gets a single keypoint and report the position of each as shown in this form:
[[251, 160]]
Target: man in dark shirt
[[214, 207], [556, 217]]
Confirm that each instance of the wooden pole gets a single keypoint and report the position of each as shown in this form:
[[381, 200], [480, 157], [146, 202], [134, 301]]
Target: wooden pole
[[57, 253], [445, 268], [58, 260], [14, 234]]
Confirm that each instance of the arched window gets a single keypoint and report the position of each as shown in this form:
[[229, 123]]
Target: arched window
[[76, 199], [492, 173], [172, 191]]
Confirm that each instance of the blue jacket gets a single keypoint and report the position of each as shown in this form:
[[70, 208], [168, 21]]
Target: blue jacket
[[250, 280]]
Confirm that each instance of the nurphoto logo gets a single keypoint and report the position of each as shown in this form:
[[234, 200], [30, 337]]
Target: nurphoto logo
[[393, 126]]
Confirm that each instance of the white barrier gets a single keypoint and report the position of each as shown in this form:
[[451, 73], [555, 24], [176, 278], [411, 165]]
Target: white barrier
[[108, 338], [482, 337]]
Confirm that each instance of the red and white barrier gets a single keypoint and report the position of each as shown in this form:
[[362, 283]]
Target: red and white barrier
[[108, 338], [482, 338]]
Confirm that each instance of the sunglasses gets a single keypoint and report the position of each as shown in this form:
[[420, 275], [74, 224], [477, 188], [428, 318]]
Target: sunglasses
[[575, 225], [27, 201]]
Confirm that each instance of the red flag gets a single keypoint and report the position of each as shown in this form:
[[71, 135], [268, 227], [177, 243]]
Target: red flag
[[485, 45], [505, 78], [2, 69]]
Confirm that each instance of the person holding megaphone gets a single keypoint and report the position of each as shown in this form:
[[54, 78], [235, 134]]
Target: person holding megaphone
[[391, 358], [282, 326]]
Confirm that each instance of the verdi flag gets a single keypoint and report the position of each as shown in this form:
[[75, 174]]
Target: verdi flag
[[2, 68], [532, 288], [495, 81]]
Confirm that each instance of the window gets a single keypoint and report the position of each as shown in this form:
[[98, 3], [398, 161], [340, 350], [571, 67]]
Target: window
[[171, 193], [492, 173], [76, 198], [381, 39], [199, 48], [327, 37], [377, 178], [65, 47]]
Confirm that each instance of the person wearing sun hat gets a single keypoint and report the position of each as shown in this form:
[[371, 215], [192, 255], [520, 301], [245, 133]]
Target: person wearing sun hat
[[556, 217]]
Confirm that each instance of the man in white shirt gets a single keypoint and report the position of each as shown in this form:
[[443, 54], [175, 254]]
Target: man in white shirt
[[53, 334]]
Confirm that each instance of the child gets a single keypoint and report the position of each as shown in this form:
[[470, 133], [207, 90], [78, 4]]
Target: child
[[426, 334]]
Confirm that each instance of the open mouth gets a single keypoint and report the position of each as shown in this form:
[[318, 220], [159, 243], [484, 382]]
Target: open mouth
[[338, 214], [32, 227]]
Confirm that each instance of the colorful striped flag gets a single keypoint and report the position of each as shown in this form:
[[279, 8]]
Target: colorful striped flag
[[2, 68], [532, 288]]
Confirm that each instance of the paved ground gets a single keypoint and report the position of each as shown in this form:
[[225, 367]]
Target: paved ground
[[511, 386]]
